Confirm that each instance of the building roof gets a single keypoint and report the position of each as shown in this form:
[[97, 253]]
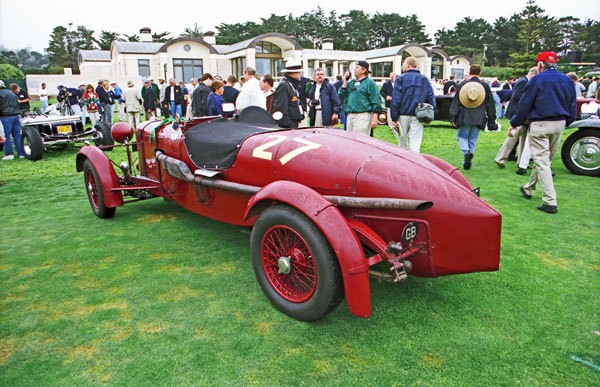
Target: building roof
[[94, 55], [137, 47]]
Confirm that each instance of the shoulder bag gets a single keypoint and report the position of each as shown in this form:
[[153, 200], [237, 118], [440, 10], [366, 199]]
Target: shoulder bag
[[424, 112]]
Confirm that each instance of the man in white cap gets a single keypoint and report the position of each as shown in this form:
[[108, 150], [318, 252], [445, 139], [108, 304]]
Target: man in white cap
[[134, 104], [287, 107], [251, 94]]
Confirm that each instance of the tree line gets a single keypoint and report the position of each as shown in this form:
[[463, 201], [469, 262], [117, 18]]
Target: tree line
[[511, 40]]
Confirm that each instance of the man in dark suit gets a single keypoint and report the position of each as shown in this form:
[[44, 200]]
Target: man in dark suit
[[386, 92], [173, 98], [149, 100]]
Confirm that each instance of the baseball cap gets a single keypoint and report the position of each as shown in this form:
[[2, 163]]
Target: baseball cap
[[547, 56], [364, 64]]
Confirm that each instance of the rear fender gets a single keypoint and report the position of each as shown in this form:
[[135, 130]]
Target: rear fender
[[106, 173], [334, 226]]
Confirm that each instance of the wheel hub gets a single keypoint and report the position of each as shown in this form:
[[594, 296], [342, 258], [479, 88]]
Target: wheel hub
[[586, 153], [285, 265], [89, 187]]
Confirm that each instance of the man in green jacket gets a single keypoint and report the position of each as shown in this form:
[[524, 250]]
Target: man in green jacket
[[361, 101]]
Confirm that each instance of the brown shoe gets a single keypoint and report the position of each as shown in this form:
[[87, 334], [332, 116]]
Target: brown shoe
[[501, 165], [547, 208]]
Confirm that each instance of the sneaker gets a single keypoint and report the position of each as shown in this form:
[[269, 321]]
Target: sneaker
[[8, 157], [21, 157], [467, 162], [547, 208], [521, 171], [525, 194]]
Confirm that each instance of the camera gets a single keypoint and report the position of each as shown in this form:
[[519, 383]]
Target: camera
[[315, 102], [348, 75], [62, 95]]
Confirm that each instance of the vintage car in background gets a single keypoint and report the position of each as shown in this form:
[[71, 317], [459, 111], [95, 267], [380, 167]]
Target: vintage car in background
[[580, 152], [54, 129], [328, 209]]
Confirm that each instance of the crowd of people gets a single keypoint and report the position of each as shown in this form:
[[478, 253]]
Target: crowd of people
[[538, 105]]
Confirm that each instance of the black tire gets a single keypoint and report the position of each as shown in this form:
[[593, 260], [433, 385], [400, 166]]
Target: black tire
[[581, 152], [37, 110], [282, 231], [103, 135], [33, 146], [93, 188]]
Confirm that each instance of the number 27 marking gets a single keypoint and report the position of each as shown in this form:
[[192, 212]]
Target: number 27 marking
[[261, 151]]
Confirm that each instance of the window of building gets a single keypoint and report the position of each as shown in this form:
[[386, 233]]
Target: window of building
[[381, 70], [186, 69], [267, 48], [437, 66], [269, 66], [237, 67], [144, 67]]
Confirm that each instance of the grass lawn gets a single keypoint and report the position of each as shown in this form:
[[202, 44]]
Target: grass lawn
[[160, 296]]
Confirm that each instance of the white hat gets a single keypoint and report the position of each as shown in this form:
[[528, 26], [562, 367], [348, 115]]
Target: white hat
[[293, 66], [150, 78]]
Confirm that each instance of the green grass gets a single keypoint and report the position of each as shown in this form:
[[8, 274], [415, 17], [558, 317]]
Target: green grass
[[161, 296]]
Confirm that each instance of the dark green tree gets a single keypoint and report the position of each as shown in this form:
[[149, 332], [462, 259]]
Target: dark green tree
[[194, 32], [9, 57], [357, 30], [504, 41], [161, 37], [64, 46], [132, 38], [392, 29], [106, 38], [532, 25]]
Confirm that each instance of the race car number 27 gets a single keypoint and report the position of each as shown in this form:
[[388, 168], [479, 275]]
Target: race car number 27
[[262, 152]]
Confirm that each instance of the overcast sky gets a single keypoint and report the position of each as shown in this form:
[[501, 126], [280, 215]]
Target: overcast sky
[[28, 23]]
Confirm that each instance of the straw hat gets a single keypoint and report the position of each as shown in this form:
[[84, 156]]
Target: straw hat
[[472, 94], [293, 66]]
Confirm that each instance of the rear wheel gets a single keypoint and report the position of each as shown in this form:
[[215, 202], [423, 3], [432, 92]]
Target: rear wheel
[[103, 136], [295, 264], [93, 187], [33, 146], [581, 152]]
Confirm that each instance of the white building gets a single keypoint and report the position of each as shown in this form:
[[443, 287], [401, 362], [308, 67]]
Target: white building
[[183, 58]]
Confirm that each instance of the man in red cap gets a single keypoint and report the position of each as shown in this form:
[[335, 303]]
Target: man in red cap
[[549, 104]]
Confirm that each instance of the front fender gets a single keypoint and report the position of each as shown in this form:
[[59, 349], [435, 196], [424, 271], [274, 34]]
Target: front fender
[[106, 173], [589, 123], [334, 226]]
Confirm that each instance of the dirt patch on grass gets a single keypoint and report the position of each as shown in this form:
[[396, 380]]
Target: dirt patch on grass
[[6, 267], [263, 328], [121, 305], [175, 269], [130, 269], [159, 255], [74, 268], [554, 262], [222, 268], [152, 328], [31, 270], [177, 294], [84, 352], [7, 348], [323, 367], [432, 361], [86, 283], [158, 218]]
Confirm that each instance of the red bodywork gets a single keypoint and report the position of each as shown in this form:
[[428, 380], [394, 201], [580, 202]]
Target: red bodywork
[[305, 168]]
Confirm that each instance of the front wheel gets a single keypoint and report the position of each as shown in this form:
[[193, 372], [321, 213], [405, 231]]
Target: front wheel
[[93, 187], [33, 146], [103, 136], [581, 152], [295, 264]]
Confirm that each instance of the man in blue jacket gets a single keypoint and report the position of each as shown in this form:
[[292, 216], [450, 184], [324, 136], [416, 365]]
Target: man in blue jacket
[[405, 98], [325, 104], [549, 104]]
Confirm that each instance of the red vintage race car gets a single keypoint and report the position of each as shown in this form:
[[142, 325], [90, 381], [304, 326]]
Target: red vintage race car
[[326, 206]]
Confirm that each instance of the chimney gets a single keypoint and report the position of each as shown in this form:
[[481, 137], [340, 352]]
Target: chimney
[[327, 44], [145, 34], [209, 37]]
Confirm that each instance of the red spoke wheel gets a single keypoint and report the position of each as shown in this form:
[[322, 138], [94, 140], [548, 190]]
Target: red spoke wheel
[[93, 187], [295, 264]]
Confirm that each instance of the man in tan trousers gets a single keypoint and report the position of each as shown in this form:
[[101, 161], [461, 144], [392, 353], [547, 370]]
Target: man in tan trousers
[[549, 104]]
